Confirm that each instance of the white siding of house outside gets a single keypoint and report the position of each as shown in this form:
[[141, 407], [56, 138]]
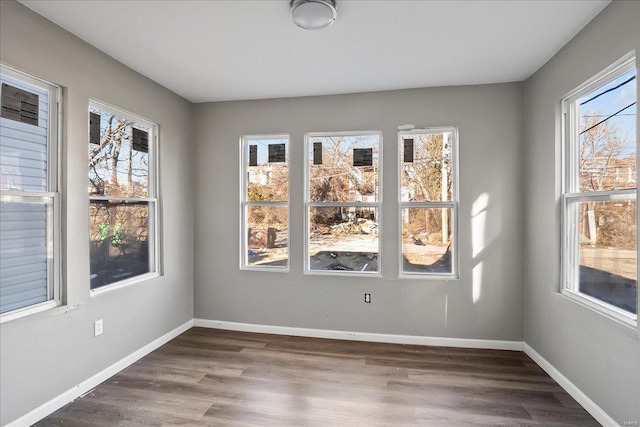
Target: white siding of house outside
[[24, 224]]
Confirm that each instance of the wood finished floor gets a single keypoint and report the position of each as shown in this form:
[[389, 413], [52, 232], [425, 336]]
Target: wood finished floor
[[215, 377]]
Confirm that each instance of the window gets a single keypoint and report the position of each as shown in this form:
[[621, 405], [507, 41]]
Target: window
[[29, 197], [265, 203], [428, 202], [599, 202], [123, 199], [342, 203]]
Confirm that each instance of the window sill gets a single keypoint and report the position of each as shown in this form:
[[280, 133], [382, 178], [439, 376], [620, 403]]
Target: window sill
[[29, 311], [123, 284], [265, 269], [428, 276], [610, 312]]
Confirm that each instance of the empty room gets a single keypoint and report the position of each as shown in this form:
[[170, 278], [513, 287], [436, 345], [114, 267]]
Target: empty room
[[319, 213]]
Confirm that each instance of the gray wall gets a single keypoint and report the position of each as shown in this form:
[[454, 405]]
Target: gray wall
[[598, 355], [43, 355], [46, 354], [489, 119]]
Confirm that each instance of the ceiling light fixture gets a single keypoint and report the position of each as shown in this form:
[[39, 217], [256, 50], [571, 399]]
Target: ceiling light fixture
[[313, 14]]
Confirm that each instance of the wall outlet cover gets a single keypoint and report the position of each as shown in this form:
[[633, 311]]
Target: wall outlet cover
[[97, 328]]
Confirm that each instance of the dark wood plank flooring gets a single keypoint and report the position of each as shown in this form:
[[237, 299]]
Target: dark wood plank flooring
[[215, 377]]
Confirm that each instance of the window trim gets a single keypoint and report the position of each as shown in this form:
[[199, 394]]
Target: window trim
[[308, 205], [453, 204], [54, 179], [570, 187], [153, 197], [244, 203]]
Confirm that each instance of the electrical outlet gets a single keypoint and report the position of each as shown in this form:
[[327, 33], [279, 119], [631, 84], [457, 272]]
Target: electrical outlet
[[97, 328], [367, 298]]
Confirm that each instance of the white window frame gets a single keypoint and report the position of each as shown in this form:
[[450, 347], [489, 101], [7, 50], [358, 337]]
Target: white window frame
[[452, 204], [308, 205], [571, 195], [153, 197], [54, 143], [244, 203]]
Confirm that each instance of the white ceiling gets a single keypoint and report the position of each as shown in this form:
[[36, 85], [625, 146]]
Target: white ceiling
[[244, 49]]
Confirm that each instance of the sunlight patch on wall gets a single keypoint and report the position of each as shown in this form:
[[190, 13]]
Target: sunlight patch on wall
[[477, 282], [478, 223]]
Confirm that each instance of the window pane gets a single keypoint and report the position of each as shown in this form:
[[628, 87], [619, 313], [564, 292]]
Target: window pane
[[608, 252], [343, 238], [427, 173], [24, 145], [24, 252], [426, 240], [607, 130], [344, 168], [267, 241], [118, 157], [268, 169], [119, 238]]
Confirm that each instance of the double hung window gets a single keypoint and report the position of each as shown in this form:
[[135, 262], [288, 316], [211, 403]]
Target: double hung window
[[428, 202], [123, 197], [265, 203], [29, 195], [600, 188], [343, 203]]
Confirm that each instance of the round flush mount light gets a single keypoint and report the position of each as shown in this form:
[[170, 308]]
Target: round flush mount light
[[313, 14]]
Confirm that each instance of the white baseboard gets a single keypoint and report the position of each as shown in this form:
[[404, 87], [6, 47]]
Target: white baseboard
[[87, 385], [589, 405], [360, 336]]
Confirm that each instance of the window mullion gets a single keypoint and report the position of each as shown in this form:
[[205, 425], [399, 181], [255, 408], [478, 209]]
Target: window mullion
[[427, 204], [603, 196], [343, 204], [13, 193], [265, 203], [123, 199]]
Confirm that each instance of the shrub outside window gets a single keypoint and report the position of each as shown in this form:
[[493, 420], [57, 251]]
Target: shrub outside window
[[264, 203], [29, 195], [343, 199], [123, 199], [600, 188], [428, 202]]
